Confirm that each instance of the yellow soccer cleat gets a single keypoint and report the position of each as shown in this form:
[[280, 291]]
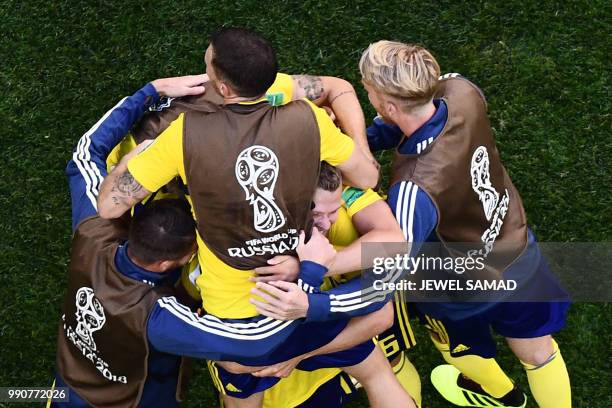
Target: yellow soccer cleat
[[463, 392]]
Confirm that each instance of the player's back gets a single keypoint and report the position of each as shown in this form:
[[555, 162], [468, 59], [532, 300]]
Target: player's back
[[251, 171]]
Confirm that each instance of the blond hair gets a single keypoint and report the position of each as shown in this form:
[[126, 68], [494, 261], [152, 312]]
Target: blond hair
[[405, 71]]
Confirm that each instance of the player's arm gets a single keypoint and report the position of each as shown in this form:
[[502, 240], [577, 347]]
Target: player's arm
[[122, 189], [358, 330], [359, 170], [173, 328], [340, 96], [375, 224], [414, 212], [288, 301], [87, 168], [383, 136], [339, 150]]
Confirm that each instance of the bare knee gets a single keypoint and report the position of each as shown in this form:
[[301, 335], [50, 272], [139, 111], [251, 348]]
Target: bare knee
[[535, 351], [374, 367]]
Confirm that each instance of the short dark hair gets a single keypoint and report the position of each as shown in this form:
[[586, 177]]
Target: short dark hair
[[330, 178], [245, 60], [164, 230]]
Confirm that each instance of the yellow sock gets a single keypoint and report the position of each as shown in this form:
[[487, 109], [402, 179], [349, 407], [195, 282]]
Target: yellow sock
[[549, 382], [407, 375], [485, 371]]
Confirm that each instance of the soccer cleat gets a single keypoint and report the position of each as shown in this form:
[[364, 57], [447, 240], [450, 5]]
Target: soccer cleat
[[463, 392]]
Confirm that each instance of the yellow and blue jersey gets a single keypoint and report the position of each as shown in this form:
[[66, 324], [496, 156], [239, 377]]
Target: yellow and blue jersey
[[342, 233], [349, 294]]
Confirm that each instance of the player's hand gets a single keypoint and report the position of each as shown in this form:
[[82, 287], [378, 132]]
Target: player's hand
[[281, 268], [282, 300], [318, 249], [180, 86], [330, 112], [236, 368], [281, 370]]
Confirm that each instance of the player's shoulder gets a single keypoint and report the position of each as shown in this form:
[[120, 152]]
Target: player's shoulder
[[355, 199], [94, 233], [455, 83], [407, 193], [350, 195], [300, 108], [281, 91]]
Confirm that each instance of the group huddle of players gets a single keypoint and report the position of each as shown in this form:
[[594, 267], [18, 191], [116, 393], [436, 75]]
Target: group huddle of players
[[225, 217]]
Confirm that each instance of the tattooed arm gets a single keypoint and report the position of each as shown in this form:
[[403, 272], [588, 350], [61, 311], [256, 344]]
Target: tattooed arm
[[120, 191], [340, 96]]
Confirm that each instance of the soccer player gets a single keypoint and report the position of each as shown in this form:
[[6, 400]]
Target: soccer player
[[118, 342], [449, 185], [348, 217]]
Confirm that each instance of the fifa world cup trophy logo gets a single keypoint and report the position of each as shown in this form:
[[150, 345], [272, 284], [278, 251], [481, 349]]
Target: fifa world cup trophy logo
[[481, 181], [90, 316], [256, 171]]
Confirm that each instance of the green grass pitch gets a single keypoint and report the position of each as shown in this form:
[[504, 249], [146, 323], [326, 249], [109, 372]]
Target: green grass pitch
[[543, 65]]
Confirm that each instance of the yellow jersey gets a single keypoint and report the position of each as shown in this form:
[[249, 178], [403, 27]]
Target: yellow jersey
[[301, 385]]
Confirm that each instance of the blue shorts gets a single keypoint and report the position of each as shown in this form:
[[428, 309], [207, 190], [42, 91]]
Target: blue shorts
[[535, 284], [74, 399], [305, 338], [509, 319], [537, 309]]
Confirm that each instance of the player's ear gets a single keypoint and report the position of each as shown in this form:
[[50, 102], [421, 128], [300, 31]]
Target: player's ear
[[391, 109], [163, 266], [224, 89]]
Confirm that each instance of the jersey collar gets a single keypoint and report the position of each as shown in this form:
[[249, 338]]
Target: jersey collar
[[427, 133], [256, 101], [127, 267], [247, 106]]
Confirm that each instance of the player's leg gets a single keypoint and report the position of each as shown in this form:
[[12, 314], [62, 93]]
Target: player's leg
[[239, 390], [381, 385], [528, 327], [253, 401], [408, 376], [395, 341], [472, 377], [307, 389], [546, 371]]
